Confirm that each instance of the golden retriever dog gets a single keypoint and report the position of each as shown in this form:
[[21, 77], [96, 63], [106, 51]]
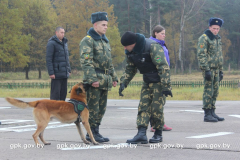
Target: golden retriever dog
[[44, 110]]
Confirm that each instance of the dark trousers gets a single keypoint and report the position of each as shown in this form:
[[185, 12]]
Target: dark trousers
[[58, 89]]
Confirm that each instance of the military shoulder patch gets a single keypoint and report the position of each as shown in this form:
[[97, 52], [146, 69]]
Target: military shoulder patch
[[201, 46], [86, 55], [204, 35], [158, 59], [89, 36]]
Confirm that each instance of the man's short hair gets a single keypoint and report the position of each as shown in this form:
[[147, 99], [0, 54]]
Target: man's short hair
[[58, 28]]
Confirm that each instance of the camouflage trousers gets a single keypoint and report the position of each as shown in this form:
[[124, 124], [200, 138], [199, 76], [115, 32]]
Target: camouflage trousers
[[97, 103], [211, 89], [150, 107]]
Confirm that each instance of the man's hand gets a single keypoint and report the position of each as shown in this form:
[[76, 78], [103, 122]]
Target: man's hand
[[220, 76], [114, 83], [166, 93], [121, 88], [208, 75], [52, 76], [95, 84]]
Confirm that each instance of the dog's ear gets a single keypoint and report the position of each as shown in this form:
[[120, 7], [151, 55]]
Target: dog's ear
[[70, 90], [79, 90], [86, 86]]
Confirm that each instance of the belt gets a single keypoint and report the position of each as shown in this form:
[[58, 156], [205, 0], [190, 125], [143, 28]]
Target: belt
[[103, 71]]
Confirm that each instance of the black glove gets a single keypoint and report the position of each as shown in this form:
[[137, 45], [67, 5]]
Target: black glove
[[220, 76], [166, 93], [121, 88], [208, 75]]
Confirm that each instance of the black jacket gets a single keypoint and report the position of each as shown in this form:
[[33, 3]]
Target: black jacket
[[57, 58]]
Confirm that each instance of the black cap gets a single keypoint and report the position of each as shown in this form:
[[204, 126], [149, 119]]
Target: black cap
[[99, 16], [215, 21], [128, 38]]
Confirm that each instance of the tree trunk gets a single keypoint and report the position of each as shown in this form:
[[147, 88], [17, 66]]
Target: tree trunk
[[39, 73], [159, 19], [150, 21], [229, 68], [190, 68], [27, 68]]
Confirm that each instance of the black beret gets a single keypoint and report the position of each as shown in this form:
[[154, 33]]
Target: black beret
[[128, 38], [215, 21], [99, 16]]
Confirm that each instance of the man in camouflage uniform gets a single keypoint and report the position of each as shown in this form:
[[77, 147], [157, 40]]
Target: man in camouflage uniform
[[148, 57], [209, 54], [96, 62]]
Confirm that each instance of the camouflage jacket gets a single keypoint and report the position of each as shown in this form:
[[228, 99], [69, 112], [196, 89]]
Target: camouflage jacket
[[95, 52], [209, 51], [158, 58]]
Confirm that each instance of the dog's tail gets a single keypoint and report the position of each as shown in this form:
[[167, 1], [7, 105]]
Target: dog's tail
[[21, 104]]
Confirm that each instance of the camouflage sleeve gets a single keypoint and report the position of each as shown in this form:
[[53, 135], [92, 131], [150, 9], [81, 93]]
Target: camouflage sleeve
[[159, 59], [86, 60], [202, 53], [129, 72], [113, 73]]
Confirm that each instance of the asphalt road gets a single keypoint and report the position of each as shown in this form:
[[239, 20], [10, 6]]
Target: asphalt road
[[191, 138]]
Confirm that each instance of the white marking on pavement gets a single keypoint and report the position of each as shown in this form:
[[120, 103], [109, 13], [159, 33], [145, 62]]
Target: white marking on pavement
[[11, 121], [105, 146], [4, 107], [127, 108], [26, 128], [212, 135], [192, 111], [238, 116]]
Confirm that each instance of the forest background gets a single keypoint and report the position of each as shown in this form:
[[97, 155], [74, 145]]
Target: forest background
[[26, 26]]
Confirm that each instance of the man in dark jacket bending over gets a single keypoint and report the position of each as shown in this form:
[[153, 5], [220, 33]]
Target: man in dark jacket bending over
[[58, 66]]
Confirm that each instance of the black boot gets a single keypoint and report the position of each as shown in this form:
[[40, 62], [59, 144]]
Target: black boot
[[215, 116], [140, 137], [96, 137], [99, 135], [208, 116], [157, 137]]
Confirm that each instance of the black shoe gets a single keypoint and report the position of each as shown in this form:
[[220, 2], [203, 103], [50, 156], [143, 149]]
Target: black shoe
[[99, 135], [208, 116], [96, 137], [140, 137], [215, 116], [157, 137]]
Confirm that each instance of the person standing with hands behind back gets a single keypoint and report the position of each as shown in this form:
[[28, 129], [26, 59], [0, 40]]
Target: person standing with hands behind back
[[158, 35], [209, 54], [99, 73], [58, 66]]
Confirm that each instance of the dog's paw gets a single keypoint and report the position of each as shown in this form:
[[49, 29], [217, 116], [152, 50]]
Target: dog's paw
[[86, 142], [47, 143], [95, 143]]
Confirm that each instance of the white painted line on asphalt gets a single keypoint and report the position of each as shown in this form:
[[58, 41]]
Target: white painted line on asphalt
[[4, 107], [238, 116], [33, 127], [11, 121], [192, 111], [105, 146], [127, 108], [212, 135], [25, 126]]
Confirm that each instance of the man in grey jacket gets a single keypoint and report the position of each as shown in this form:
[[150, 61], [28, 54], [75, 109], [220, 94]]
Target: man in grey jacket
[[57, 59]]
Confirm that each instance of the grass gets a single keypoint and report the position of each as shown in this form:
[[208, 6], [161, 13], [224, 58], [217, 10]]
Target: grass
[[183, 93]]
